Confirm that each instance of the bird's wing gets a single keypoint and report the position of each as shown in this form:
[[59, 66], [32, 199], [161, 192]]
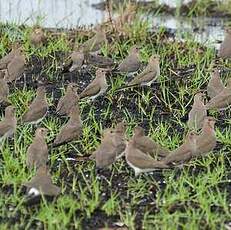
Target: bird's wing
[[92, 89], [35, 112], [16, 66], [68, 133], [129, 64], [214, 87], [182, 153], [144, 161], [142, 78], [4, 90], [223, 99], [4, 128], [106, 154], [6, 59], [61, 105]]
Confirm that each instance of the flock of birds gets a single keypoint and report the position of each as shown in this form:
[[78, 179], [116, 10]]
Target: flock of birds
[[141, 152]]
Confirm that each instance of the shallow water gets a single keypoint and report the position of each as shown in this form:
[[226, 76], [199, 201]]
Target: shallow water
[[73, 13], [51, 13], [208, 31]]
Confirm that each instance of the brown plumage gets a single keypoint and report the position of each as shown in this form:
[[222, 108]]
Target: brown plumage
[[15, 67], [97, 87], [37, 153], [112, 146], [225, 48], [68, 100], [99, 60], [4, 89], [8, 124], [139, 161], [222, 100], [37, 37], [131, 63], [207, 140], [41, 183], [4, 61], [215, 85], [77, 58], [185, 151], [198, 113], [146, 144], [149, 74], [38, 108], [96, 42], [72, 130]]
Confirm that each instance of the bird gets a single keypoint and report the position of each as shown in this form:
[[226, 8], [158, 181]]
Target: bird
[[37, 37], [139, 161], [225, 47], [9, 123], [96, 42], [77, 58], [41, 184], [71, 130], [112, 147], [37, 109], [99, 60], [16, 50], [215, 85], [68, 100], [185, 151], [97, 87], [4, 89], [198, 113], [131, 63], [222, 100], [15, 67], [206, 140], [146, 144], [37, 153], [149, 74]]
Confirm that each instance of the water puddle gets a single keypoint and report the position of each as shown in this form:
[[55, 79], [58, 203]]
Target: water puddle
[[72, 13]]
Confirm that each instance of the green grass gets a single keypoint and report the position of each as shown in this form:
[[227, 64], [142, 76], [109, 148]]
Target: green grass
[[196, 196]]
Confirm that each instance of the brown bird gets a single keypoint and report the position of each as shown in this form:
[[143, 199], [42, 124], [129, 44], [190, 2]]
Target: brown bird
[[207, 140], [37, 37], [38, 108], [68, 100], [131, 63], [215, 85], [15, 67], [99, 60], [149, 74], [77, 58], [97, 87], [112, 147], [37, 153], [146, 144], [41, 183], [184, 152], [139, 161], [4, 89], [8, 124], [222, 100], [225, 48], [4, 61], [198, 113], [70, 131], [95, 43]]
